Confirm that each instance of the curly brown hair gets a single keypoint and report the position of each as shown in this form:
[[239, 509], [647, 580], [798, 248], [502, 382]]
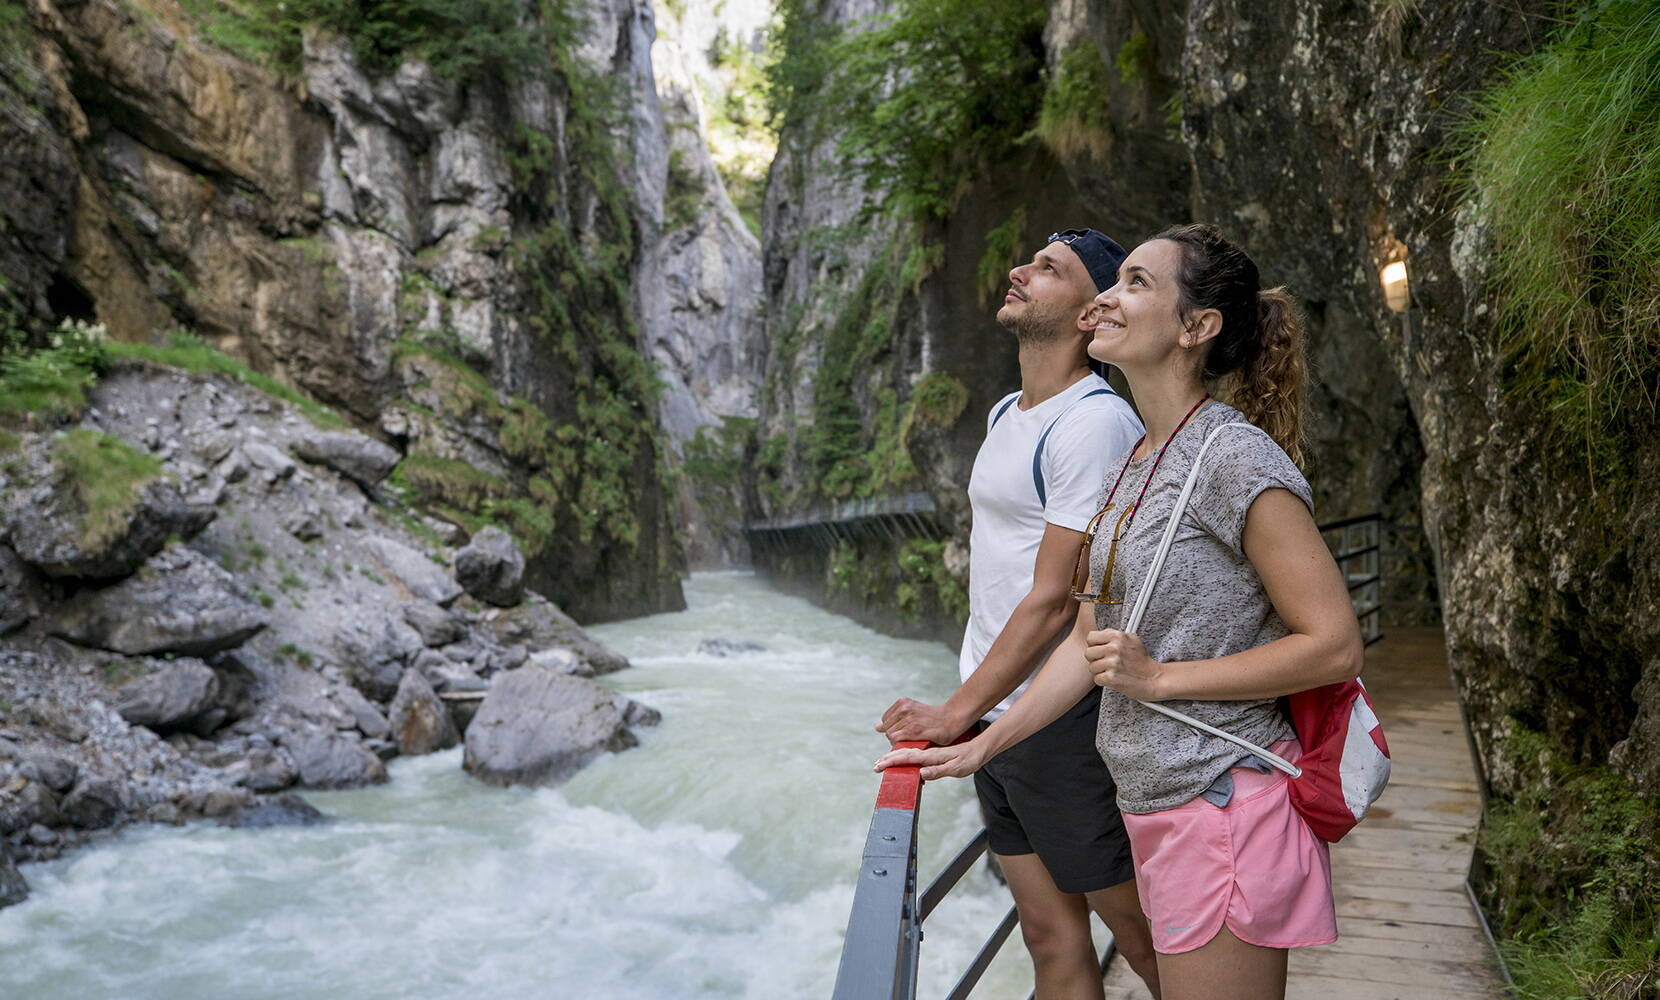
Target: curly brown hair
[[1260, 349]]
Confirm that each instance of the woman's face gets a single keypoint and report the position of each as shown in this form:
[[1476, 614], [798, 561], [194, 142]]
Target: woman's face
[[1136, 320]]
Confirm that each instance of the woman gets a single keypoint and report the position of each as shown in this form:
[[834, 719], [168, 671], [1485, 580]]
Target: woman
[[1250, 606]]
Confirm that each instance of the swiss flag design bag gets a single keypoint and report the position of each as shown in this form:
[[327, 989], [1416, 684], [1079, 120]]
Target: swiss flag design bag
[[1345, 761]]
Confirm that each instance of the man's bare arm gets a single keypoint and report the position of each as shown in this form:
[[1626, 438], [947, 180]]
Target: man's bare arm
[[1044, 612]]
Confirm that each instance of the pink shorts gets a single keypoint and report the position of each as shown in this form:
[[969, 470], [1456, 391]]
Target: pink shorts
[[1254, 865]]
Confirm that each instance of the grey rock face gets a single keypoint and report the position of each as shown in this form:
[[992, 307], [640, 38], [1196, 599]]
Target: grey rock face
[[374, 652], [539, 728], [370, 722], [13, 887], [328, 759], [47, 530], [55, 770], [287, 809], [27, 805], [94, 804], [424, 578], [420, 722], [172, 695], [181, 603], [358, 457], [436, 626], [538, 623], [21, 595], [491, 568]]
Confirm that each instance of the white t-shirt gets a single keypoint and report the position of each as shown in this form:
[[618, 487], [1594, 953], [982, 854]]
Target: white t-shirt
[[1084, 437]]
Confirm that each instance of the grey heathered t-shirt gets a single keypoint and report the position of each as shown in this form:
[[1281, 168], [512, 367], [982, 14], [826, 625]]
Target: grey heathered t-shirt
[[1208, 602]]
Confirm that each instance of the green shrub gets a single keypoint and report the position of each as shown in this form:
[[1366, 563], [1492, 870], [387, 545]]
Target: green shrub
[[1073, 119], [921, 99], [460, 39], [1563, 158], [1002, 253], [939, 399], [107, 476], [52, 382]]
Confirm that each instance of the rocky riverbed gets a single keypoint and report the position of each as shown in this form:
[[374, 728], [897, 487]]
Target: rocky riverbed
[[208, 602]]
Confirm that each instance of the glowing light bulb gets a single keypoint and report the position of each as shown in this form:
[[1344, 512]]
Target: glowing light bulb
[[1396, 290]]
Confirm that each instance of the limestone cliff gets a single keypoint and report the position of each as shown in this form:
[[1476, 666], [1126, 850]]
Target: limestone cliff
[[701, 281], [453, 258]]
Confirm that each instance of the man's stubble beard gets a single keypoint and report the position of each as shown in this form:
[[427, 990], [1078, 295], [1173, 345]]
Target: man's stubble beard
[[1035, 328]]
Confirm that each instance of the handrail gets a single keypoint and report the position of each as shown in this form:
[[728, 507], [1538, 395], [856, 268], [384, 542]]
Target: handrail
[[884, 929]]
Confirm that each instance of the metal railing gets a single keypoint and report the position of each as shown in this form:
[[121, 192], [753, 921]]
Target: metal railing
[[1356, 544], [884, 929]]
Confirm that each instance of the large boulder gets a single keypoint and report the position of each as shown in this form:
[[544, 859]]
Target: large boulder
[[180, 603], [423, 577], [49, 529], [374, 650], [25, 803], [95, 803], [420, 722], [437, 626], [538, 623], [358, 457], [537, 727], [329, 759], [13, 888], [492, 568], [171, 695]]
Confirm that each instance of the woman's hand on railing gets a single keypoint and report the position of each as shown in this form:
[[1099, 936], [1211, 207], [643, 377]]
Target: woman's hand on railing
[[957, 761]]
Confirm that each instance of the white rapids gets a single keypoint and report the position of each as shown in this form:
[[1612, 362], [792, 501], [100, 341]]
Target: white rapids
[[717, 859]]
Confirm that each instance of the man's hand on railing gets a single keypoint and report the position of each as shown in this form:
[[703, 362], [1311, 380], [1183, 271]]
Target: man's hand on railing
[[908, 719], [957, 761]]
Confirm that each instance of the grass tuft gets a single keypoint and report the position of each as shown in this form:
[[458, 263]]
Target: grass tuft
[[107, 475], [1563, 157], [187, 351]]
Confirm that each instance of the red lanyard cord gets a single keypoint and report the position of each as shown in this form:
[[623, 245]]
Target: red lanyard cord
[[1150, 472]]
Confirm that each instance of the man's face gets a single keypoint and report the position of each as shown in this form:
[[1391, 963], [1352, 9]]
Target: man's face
[[1049, 297]]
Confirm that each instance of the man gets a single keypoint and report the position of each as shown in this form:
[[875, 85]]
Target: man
[[1049, 802]]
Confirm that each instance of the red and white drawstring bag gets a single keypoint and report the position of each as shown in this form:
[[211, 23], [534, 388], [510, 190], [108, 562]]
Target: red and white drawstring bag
[[1345, 761]]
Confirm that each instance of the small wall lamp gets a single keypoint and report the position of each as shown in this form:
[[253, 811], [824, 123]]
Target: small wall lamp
[[1397, 291]]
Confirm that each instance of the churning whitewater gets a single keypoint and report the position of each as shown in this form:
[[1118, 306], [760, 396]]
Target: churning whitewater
[[715, 860]]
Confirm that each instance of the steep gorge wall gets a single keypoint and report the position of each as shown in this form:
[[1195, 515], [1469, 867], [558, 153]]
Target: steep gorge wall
[[456, 260]]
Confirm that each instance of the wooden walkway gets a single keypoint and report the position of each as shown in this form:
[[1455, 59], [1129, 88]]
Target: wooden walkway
[[1407, 929]]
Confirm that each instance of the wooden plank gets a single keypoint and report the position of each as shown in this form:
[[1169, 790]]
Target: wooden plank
[[1420, 973], [1311, 987]]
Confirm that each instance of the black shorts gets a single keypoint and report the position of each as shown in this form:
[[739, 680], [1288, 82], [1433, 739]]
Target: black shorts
[[1051, 795]]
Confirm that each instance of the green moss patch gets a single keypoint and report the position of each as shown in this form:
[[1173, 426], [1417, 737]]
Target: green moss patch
[[107, 476], [1570, 867], [1073, 118]]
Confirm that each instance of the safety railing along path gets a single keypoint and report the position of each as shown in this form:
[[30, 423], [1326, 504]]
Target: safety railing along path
[[885, 928]]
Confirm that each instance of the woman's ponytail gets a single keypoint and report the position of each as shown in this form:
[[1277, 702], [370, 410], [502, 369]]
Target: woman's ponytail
[[1260, 349], [1271, 390]]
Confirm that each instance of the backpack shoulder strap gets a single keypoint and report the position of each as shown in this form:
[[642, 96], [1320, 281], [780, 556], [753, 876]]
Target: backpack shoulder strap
[[1146, 594], [1037, 453], [1002, 410]]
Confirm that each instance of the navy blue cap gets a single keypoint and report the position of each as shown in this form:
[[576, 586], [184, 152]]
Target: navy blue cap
[[1101, 255]]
